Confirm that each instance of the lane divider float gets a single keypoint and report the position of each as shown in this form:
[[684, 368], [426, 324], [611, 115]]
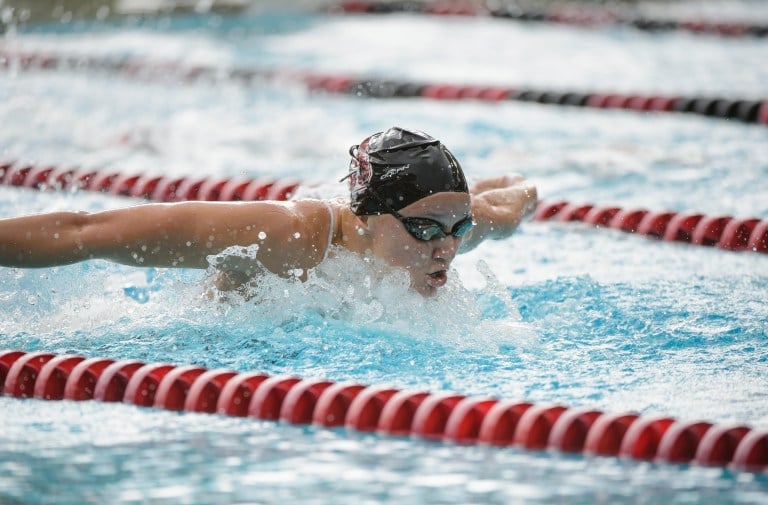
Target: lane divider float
[[725, 232], [574, 15], [729, 108], [441, 417], [158, 188]]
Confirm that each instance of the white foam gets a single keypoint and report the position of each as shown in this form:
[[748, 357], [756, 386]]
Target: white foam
[[362, 291]]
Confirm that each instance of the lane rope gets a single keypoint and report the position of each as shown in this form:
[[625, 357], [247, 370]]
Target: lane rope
[[722, 231], [440, 417], [573, 15], [744, 110]]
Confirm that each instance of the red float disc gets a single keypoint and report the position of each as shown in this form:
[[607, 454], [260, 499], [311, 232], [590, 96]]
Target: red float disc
[[569, 432], [642, 438], [268, 398], [113, 380], [432, 415], [144, 383], [20, 381], [752, 452], [535, 425], [681, 441], [334, 403], [719, 444], [7, 359], [206, 390], [81, 383], [606, 434], [175, 385], [299, 403], [237, 393], [548, 210], [463, 425], [365, 410], [501, 421], [53, 377], [397, 415]]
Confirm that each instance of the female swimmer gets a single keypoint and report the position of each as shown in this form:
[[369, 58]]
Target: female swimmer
[[409, 206]]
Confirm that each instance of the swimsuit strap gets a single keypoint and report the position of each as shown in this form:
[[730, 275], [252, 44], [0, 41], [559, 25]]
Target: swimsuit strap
[[330, 231]]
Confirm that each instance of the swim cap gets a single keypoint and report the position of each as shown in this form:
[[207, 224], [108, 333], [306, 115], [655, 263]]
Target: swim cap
[[392, 169]]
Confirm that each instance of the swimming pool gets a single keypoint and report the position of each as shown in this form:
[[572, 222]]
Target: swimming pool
[[561, 313]]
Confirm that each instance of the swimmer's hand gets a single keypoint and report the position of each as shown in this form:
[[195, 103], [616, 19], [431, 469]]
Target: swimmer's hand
[[498, 206]]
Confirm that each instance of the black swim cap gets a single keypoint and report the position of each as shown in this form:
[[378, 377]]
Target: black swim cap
[[392, 169]]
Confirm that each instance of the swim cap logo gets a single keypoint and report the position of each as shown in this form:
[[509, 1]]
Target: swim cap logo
[[392, 172]]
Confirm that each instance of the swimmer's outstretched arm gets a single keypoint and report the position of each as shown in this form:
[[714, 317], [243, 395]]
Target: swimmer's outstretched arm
[[498, 206], [289, 235]]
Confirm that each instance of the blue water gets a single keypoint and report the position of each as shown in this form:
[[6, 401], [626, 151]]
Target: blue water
[[560, 313]]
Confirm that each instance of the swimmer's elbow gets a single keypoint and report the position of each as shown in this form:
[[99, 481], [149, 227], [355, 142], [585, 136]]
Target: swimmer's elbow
[[81, 223], [73, 236]]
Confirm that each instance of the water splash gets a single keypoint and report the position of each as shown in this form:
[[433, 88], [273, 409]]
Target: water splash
[[347, 307], [357, 292]]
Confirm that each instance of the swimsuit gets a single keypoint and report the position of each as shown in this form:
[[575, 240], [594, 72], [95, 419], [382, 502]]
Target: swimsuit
[[330, 231]]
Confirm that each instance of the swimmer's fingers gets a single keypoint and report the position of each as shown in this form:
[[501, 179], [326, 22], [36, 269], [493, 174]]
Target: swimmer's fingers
[[498, 212], [499, 182], [516, 201]]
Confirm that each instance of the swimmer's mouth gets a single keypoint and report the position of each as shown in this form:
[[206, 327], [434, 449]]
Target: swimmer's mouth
[[438, 278]]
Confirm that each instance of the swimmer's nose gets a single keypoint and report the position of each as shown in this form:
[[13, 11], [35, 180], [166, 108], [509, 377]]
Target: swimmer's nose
[[445, 248]]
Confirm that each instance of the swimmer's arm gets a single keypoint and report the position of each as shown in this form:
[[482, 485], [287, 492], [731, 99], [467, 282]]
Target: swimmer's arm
[[498, 206], [164, 235], [43, 240]]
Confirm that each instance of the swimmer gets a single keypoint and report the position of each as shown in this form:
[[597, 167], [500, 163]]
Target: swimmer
[[410, 206]]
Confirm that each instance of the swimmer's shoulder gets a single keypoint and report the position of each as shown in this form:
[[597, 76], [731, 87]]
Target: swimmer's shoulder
[[322, 209], [325, 217]]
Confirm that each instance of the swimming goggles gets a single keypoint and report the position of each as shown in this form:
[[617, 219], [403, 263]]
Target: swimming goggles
[[425, 229]]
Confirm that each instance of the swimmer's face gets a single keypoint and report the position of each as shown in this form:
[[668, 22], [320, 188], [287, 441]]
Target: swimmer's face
[[427, 262]]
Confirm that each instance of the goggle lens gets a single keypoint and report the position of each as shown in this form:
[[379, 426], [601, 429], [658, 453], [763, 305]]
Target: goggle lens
[[427, 229]]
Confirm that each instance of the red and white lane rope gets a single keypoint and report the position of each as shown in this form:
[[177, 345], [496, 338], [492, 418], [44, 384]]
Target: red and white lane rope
[[725, 232], [434, 416], [155, 188], [736, 109], [574, 15]]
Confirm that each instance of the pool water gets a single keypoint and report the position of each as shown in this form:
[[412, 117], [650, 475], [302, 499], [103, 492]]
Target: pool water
[[559, 313]]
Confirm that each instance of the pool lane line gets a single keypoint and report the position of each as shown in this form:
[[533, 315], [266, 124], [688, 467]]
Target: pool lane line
[[722, 231], [156, 188], [440, 417], [572, 15], [752, 111]]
